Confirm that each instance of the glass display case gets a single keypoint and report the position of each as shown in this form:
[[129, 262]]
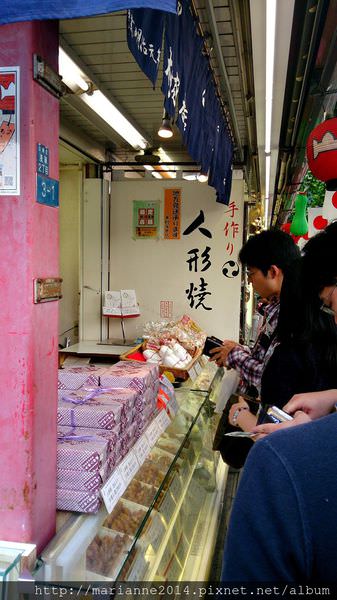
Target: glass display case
[[164, 525]]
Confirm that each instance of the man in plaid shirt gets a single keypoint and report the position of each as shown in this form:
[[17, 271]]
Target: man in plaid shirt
[[266, 256]]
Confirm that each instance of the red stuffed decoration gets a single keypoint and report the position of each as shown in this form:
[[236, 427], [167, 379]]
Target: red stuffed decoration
[[322, 160]]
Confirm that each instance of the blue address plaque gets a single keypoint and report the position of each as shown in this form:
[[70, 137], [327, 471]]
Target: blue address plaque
[[47, 190]]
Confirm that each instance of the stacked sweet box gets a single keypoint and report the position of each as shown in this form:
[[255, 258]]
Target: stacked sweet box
[[92, 426], [143, 377], [73, 378], [100, 416]]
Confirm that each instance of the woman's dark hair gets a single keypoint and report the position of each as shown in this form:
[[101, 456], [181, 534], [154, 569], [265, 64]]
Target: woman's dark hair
[[301, 323], [270, 247], [320, 260]]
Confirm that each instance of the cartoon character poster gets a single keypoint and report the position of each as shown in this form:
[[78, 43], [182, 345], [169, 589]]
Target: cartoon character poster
[[9, 131]]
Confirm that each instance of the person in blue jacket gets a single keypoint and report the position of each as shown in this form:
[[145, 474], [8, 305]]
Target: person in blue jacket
[[283, 526]]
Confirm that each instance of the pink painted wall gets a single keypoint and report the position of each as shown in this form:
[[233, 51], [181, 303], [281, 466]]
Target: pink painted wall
[[28, 331]]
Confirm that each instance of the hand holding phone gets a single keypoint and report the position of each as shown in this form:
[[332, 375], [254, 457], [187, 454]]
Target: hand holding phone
[[210, 343], [273, 414]]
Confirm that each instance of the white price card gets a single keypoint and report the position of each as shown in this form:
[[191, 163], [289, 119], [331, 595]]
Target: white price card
[[192, 373], [153, 433], [142, 449], [129, 467], [176, 487], [112, 490], [163, 420], [198, 367], [138, 568], [173, 406], [155, 532], [167, 507]]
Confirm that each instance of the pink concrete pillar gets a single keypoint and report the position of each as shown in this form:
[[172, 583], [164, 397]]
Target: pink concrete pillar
[[28, 331]]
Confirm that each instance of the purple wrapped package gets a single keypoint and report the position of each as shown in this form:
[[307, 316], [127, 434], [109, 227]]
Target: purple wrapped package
[[111, 436], [135, 375], [82, 453], [75, 377], [68, 479], [78, 501], [81, 408], [127, 397]]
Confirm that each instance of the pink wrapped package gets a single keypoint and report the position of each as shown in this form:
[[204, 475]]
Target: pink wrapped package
[[135, 375], [75, 377], [80, 408], [82, 453], [68, 479], [78, 501]]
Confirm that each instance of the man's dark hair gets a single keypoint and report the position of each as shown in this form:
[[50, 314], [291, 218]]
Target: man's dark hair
[[270, 247]]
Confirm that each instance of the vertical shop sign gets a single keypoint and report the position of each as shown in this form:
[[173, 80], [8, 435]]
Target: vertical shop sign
[[230, 268], [172, 214], [9, 131], [47, 189], [145, 219]]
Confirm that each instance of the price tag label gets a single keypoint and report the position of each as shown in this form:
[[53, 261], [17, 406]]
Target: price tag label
[[155, 532], [185, 471], [176, 487], [167, 507], [112, 490], [173, 406], [142, 449], [138, 569], [129, 467], [198, 367], [153, 433], [163, 420], [192, 373]]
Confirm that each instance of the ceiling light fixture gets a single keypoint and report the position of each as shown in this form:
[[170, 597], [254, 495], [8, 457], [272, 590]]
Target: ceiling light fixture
[[71, 74], [165, 157], [202, 177], [74, 77], [113, 117], [156, 175], [270, 54], [165, 130]]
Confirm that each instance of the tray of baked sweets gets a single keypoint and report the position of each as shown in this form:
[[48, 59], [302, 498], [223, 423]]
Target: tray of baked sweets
[[175, 346]]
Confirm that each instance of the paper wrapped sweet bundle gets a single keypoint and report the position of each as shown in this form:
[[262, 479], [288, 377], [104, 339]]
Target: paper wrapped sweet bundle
[[96, 409], [137, 376], [81, 452], [78, 501], [70, 479], [111, 436], [75, 377]]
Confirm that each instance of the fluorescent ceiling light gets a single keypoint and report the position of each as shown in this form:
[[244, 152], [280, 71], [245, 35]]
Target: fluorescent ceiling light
[[165, 157], [190, 177], [113, 117], [270, 53], [156, 175], [75, 78], [267, 183], [71, 74], [202, 177], [148, 167]]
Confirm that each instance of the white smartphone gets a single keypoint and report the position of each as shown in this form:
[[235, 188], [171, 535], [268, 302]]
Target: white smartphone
[[241, 434]]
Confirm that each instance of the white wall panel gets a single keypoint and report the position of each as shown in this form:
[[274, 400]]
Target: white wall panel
[[157, 269]]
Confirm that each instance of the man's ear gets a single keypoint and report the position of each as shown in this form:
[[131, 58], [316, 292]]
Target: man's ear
[[274, 271]]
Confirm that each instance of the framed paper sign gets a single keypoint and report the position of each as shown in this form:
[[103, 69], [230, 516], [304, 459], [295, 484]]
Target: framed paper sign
[[145, 219], [9, 131]]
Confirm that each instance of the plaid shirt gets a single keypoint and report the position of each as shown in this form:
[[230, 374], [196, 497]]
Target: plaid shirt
[[250, 363]]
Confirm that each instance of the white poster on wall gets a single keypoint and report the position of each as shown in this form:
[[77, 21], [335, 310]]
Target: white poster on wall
[[9, 131]]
